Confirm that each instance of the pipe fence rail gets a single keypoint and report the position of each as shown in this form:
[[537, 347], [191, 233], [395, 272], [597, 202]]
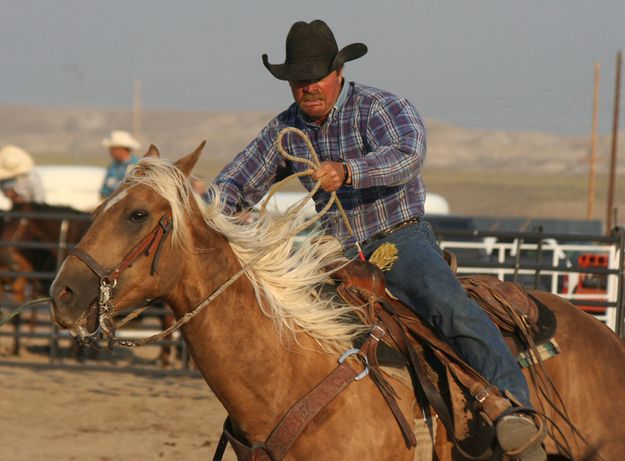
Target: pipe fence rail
[[583, 268]]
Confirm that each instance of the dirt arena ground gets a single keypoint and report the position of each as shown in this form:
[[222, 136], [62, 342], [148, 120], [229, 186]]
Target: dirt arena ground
[[52, 414], [75, 414]]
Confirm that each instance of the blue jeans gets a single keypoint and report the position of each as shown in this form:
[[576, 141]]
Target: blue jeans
[[423, 281]]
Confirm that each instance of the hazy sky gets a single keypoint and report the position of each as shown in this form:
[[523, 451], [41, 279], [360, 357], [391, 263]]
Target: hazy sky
[[477, 63]]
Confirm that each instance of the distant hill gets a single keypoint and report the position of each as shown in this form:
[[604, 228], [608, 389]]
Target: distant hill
[[480, 172], [525, 151], [73, 134], [76, 133]]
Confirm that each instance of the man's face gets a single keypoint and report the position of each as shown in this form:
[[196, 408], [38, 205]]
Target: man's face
[[317, 97], [121, 154]]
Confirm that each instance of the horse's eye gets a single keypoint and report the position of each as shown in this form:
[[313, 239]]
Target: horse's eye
[[139, 215]]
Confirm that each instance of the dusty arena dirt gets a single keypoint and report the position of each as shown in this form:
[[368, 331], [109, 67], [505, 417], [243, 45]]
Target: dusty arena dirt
[[61, 415]]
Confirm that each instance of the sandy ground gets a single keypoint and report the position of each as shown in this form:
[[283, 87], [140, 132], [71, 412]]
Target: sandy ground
[[60, 415]]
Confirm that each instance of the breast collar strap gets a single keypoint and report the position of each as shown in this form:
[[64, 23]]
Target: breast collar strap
[[299, 416], [150, 244]]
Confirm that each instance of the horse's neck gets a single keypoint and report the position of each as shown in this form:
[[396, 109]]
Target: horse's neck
[[255, 375]]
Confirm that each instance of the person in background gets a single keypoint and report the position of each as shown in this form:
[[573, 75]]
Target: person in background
[[120, 145], [372, 147], [19, 182]]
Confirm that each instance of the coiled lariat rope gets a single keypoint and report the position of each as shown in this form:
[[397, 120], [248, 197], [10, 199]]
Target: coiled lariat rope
[[314, 164]]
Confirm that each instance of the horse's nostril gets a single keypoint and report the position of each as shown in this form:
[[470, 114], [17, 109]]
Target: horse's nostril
[[65, 294]]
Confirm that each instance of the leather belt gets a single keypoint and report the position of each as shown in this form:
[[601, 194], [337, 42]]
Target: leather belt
[[390, 230]]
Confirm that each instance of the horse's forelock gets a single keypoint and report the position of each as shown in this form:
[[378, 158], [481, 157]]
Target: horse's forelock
[[170, 183]]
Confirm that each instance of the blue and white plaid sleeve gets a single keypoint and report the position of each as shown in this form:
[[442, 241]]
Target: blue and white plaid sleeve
[[396, 136], [245, 180]]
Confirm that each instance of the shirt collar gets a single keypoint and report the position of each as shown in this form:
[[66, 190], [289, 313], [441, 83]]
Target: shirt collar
[[340, 101]]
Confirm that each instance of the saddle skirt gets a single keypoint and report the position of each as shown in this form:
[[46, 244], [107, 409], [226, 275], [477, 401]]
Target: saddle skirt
[[520, 317]]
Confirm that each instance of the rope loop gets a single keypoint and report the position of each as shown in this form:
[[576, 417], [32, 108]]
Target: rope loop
[[314, 164]]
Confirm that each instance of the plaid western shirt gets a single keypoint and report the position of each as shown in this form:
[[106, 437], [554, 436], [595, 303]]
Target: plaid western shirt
[[380, 136]]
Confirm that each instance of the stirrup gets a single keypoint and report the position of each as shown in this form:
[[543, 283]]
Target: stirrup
[[534, 442]]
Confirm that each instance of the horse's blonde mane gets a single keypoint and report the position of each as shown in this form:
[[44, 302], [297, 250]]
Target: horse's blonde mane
[[285, 275]]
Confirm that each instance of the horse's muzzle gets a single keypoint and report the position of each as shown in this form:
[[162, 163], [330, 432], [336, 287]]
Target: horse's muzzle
[[74, 302], [81, 326]]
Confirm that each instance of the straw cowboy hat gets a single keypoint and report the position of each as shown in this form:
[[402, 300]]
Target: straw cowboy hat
[[312, 53], [121, 139], [14, 162]]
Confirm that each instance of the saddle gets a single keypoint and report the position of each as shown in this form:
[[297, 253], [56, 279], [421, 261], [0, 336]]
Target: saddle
[[441, 379], [520, 317]]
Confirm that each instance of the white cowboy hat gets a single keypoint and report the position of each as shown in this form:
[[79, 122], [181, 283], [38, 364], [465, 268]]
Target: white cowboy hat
[[121, 139], [14, 162]]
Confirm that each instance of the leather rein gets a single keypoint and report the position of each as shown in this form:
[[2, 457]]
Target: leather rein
[[151, 244]]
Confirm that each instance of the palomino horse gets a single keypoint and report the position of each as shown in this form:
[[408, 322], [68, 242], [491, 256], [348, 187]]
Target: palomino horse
[[266, 339]]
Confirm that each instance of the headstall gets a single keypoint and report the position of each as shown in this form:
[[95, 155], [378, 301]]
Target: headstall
[[151, 244]]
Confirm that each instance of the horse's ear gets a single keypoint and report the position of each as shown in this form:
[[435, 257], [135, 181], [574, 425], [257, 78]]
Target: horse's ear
[[152, 152], [186, 164]]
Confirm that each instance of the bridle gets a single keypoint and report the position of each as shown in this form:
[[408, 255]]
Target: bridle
[[151, 244]]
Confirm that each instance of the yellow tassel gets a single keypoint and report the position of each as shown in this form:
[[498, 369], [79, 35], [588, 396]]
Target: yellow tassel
[[384, 256]]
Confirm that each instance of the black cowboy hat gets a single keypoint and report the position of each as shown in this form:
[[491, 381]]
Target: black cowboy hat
[[312, 53]]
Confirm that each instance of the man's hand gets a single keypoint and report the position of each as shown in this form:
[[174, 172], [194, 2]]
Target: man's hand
[[331, 175]]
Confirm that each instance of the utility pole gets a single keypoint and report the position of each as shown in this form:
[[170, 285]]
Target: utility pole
[[593, 143], [136, 109], [617, 99]]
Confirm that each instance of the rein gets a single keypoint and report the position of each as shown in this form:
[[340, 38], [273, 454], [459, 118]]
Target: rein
[[21, 308]]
